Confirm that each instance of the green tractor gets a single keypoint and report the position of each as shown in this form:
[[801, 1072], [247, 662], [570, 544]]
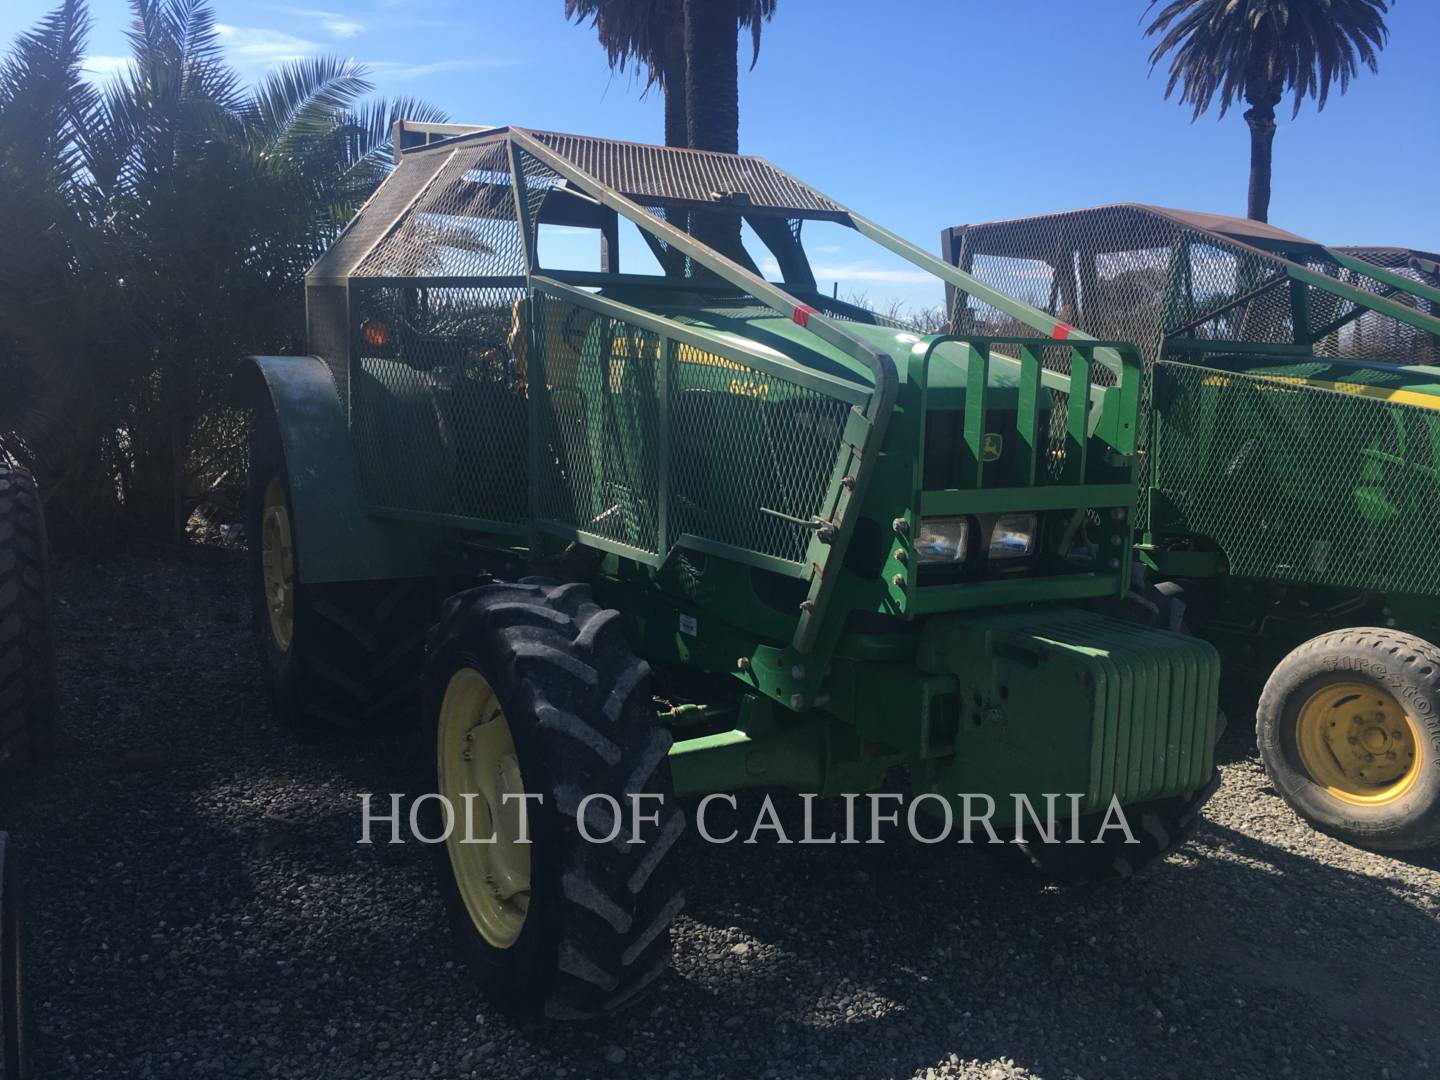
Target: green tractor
[[1290, 474], [658, 526]]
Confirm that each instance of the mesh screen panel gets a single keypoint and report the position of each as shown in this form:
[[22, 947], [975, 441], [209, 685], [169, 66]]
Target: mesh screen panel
[[645, 172], [1132, 273], [462, 225], [439, 413], [1241, 464], [602, 424], [741, 441], [1372, 336], [746, 442], [383, 209]]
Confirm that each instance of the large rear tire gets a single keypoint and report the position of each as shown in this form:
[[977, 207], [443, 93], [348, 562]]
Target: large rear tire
[[28, 695], [1349, 733], [531, 689], [14, 1018], [344, 656]]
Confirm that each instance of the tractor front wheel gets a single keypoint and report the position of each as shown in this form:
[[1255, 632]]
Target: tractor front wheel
[[14, 1027], [344, 656], [1349, 732], [540, 729], [27, 654]]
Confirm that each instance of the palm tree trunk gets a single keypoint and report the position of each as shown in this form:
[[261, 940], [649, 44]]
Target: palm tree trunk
[[712, 98], [673, 71], [712, 76], [1261, 118]]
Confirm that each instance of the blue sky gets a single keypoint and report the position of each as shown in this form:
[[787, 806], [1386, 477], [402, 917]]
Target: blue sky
[[917, 113]]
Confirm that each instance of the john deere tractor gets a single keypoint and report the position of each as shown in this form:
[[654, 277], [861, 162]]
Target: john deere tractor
[[1291, 474], [662, 526]]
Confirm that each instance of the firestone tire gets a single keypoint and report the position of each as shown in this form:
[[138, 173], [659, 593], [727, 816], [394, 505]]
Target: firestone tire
[[349, 656], [14, 1019], [1315, 727], [1159, 826], [595, 928], [28, 694]]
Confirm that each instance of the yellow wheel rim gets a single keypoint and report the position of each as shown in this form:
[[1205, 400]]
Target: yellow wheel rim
[[476, 757], [277, 564], [1359, 743]]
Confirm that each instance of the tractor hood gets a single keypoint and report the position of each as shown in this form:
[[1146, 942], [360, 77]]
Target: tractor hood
[[754, 324]]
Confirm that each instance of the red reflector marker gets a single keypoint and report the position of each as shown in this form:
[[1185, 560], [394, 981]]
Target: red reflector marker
[[1061, 331], [802, 314]]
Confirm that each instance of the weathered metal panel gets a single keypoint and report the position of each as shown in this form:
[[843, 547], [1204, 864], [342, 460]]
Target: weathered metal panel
[[335, 539]]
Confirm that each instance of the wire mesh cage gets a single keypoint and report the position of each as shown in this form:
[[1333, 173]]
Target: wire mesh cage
[[478, 397], [1145, 274], [1240, 465]]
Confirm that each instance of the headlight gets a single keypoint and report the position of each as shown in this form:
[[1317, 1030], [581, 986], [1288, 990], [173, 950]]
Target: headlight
[[943, 540], [1013, 536]]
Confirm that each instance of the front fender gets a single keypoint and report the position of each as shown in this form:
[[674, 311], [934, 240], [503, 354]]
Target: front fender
[[336, 539]]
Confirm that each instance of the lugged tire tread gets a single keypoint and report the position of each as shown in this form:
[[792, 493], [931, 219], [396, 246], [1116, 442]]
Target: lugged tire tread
[[358, 647], [618, 899], [29, 696]]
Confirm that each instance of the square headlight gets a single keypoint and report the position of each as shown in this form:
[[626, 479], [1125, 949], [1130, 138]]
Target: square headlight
[[1013, 536], [943, 540]]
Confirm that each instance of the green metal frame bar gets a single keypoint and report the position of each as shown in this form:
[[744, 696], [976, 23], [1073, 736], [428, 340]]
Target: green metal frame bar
[[942, 598], [952, 502], [1384, 276], [1407, 315]]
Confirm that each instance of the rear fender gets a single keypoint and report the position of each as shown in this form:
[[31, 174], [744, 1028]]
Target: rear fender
[[336, 539]]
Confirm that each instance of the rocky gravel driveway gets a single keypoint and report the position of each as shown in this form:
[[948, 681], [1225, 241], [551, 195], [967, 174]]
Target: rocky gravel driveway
[[200, 908]]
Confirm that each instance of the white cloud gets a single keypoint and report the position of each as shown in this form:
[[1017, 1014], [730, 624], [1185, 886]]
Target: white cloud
[[101, 66], [404, 69], [875, 274], [335, 24], [253, 45]]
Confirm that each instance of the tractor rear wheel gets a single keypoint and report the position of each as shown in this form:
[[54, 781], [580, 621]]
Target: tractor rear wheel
[[539, 724], [1158, 826], [344, 656], [28, 695], [1349, 733], [14, 1026]]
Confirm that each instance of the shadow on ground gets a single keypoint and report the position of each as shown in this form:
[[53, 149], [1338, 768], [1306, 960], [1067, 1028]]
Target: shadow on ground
[[200, 907]]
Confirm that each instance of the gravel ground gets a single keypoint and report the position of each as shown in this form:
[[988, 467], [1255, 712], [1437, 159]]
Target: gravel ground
[[200, 908]]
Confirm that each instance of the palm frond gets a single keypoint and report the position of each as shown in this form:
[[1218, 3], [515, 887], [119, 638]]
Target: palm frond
[[300, 100]]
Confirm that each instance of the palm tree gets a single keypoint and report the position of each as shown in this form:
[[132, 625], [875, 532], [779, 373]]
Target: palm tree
[[156, 232], [651, 35], [1260, 50], [689, 49]]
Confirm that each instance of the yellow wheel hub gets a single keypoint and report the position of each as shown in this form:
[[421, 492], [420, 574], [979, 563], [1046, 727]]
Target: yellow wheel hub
[[277, 564], [476, 757], [1359, 743]]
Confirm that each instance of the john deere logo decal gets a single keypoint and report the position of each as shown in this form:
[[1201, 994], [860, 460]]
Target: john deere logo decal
[[991, 446]]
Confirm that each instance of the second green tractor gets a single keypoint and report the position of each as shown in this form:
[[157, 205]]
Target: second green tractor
[[1290, 475]]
